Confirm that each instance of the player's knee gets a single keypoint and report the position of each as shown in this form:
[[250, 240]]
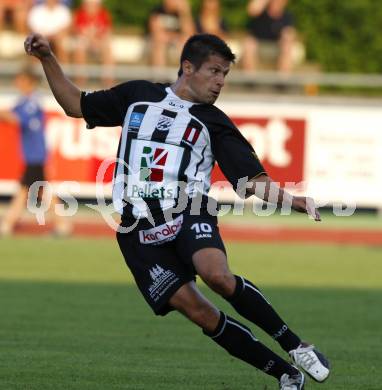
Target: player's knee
[[222, 283], [205, 316]]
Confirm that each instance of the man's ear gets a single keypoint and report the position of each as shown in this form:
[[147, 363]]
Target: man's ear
[[188, 67]]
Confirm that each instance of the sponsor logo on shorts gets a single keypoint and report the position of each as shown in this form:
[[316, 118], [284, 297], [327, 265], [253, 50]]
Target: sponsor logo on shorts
[[162, 281], [162, 233]]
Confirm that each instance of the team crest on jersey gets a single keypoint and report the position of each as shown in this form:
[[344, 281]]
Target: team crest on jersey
[[152, 164], [164, 123]]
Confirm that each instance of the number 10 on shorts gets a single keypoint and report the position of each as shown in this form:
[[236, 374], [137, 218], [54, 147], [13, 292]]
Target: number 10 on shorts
[[201, 228]]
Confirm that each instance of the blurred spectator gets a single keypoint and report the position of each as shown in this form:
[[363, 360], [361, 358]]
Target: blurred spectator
[[68, 3], [93, 26], [29, 116], [52, 19], [14, 11], [269, 21], [169, 26], [210, 20]]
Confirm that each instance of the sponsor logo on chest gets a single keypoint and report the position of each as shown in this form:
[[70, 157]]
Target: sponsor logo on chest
[[155, 168], [153, 161]]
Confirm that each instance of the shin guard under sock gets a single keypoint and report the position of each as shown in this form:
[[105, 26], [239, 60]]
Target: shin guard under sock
[[239, 342], [249, 302]]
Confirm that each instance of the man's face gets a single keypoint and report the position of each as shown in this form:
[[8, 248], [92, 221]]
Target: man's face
[[204, 84]]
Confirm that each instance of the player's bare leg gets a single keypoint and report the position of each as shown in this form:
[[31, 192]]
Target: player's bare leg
[[13, 214], [190, 302], [53, 205], [61, 225], [212, 266]]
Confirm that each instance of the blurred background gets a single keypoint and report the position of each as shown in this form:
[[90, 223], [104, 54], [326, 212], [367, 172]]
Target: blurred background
[[306, 91]]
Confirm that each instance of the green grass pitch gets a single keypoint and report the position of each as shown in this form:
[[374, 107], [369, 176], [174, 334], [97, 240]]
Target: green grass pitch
[[70, 318]]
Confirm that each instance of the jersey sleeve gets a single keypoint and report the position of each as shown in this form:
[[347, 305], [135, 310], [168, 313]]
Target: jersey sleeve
[[236, 157], [108, 107]]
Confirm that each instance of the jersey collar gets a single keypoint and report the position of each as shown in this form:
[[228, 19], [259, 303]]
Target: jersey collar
[[176, 100]]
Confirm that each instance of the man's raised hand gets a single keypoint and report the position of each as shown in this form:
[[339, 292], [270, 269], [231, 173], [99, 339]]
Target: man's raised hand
[[38, 46]]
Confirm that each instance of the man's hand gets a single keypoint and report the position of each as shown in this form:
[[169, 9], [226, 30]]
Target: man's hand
[[38, 46], [266, 189], [306, 205], [66, 93]]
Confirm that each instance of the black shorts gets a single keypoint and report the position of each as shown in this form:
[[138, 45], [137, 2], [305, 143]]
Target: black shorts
[[160, 258], [32, 173]]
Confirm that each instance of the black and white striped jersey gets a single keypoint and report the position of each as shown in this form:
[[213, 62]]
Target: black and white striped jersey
[[168, 146]]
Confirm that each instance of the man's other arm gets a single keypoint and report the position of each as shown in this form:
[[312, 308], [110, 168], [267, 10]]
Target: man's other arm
[[66, 93], [266, 189]]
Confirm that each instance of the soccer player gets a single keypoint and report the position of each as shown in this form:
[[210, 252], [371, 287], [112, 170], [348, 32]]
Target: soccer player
[[171, 136], [29, 117]]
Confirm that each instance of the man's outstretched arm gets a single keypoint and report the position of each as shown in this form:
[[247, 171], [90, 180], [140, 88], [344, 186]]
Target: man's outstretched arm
[[266, 189], [66, 93]]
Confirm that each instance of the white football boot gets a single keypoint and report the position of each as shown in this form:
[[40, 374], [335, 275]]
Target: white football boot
[[292, 382], [313, 362]]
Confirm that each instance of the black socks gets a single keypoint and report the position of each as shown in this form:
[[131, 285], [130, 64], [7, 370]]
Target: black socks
[[249, 302], [239, 342]]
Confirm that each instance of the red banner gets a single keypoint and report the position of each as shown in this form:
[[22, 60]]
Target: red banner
[[279, 143], [75, 153]]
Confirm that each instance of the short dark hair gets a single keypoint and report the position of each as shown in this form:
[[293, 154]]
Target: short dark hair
[[199, 47]]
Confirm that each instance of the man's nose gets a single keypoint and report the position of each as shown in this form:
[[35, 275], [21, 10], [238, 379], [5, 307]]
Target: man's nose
[[220, 80]]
